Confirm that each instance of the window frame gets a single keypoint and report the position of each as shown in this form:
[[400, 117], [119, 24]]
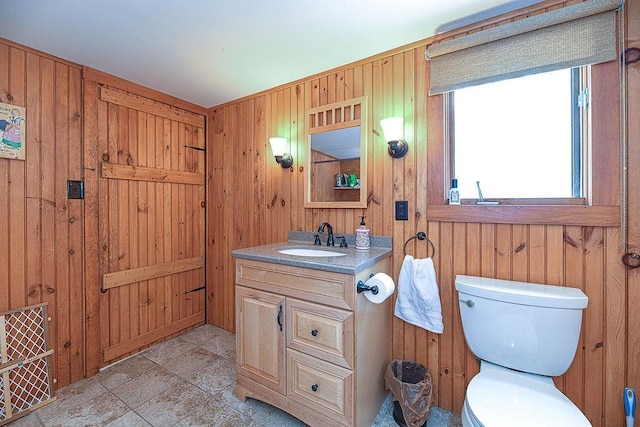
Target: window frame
[[580, 119], [601, 204]]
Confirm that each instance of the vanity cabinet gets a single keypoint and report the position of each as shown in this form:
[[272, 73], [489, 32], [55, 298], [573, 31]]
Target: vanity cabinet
[[309, 344]]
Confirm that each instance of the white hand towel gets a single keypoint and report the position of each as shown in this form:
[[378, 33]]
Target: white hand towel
[[418, 299]]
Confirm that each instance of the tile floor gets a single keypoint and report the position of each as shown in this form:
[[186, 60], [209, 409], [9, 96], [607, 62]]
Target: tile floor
[[188, 380]]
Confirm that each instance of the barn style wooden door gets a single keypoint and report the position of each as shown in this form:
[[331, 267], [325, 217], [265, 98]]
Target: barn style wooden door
[[150, 243]]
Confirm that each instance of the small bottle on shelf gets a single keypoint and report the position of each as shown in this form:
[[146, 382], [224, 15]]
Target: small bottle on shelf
[[454, 193]]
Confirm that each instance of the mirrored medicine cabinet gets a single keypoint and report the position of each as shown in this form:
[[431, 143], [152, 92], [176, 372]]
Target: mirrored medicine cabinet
[[337, 155]]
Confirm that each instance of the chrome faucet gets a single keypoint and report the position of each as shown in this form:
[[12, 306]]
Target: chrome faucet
[[330, 228]]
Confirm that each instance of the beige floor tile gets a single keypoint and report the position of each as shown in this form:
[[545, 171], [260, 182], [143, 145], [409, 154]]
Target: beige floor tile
[[271, 416], [145, 387], [72, 395], [202, 334], [229, 398], [125, 371], [80, 390], [230, 355], [29, 420], [220, 342], [190, 362], [172, 405], [215, 377], [130, 419], [216, 413], [164, 351], [98, 411]]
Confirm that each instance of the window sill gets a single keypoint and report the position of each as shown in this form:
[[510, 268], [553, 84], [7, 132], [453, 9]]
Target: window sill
[[595, 216]]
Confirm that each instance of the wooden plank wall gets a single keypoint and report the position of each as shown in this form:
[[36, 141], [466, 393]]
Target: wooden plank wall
[[253, 201], [41, 232]]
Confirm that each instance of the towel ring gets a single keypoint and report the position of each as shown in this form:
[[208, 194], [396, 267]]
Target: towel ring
[[420, 236]]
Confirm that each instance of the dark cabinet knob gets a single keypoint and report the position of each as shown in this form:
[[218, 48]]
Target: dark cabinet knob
[[314, 387], [314, 332]]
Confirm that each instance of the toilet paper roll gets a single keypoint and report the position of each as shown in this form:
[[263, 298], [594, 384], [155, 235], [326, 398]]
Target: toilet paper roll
[[385, 285]]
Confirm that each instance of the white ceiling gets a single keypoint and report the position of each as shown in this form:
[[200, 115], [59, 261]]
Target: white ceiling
[[212, 51]]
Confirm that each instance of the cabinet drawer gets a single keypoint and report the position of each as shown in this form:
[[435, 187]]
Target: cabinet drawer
[[323, 386], [321, 331], [324, 287]]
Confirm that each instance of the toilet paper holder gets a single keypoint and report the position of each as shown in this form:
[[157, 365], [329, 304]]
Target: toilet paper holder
[[363, 287]]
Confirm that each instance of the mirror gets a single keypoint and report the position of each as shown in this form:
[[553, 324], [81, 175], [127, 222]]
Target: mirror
[[337, 155]]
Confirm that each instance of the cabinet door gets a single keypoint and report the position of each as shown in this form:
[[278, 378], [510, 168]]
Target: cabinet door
[[260, 340]]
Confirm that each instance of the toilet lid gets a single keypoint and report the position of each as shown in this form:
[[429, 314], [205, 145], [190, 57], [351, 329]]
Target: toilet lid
[[497, 399]]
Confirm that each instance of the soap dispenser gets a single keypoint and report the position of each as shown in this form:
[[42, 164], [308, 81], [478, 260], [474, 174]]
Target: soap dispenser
[[362, 236]]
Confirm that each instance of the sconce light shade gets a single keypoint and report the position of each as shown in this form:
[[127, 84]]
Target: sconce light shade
[[393, 128], [278, 147]]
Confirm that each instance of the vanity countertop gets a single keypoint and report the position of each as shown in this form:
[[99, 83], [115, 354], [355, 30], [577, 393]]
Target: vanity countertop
[[352, 262]]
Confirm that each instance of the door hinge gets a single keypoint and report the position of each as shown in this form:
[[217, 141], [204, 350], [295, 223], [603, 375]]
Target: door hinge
[[194, 148], [194, 290]]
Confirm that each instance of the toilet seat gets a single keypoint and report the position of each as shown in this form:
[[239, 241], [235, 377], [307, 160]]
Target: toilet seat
[[509, 398]]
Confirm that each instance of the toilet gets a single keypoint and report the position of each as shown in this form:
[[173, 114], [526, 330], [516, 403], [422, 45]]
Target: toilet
[[523, 335]]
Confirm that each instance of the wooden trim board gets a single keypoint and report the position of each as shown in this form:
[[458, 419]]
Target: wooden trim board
[[151, 337], [149, 106], [140, 173], [134, 275]]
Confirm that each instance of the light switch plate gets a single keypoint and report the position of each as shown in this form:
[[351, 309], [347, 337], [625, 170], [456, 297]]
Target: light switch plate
[[402, 210], [75, 189]]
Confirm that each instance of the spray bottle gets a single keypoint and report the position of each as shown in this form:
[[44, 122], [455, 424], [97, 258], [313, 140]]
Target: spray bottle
[[629, 405]]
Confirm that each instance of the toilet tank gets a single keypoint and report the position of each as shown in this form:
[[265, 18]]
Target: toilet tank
[[524, 326]]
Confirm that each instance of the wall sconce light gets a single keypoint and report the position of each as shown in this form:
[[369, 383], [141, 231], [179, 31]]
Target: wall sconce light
[[393, 128], [278, 147]]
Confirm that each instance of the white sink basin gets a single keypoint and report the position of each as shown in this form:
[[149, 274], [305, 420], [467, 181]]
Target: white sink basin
[[309, 252]]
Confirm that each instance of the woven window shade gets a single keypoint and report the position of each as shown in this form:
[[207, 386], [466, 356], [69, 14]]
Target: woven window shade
[[572, 36]]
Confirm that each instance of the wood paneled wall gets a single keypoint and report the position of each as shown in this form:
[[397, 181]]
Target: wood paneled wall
[[584, 257], [41, 232], [253, 201]]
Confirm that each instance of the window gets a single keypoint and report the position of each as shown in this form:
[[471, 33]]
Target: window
[[520, 138], [542, 39]]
